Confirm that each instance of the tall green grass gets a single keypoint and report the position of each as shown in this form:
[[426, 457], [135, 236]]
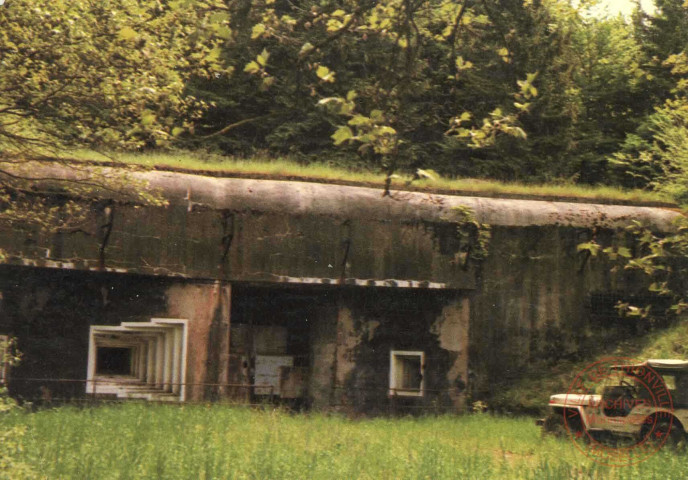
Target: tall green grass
[[136, 441]]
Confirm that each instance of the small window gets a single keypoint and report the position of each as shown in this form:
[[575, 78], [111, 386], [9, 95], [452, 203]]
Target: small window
[[406, 373]]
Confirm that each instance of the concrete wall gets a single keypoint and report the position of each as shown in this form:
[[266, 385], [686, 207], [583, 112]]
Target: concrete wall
[[250, 246], [207, 307], [347, 334], [295, 232], [534, 304]]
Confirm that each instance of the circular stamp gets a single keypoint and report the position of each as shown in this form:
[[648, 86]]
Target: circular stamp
[[619, 411]]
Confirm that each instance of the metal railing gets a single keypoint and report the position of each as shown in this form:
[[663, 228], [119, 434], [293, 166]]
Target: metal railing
[[51, 392]]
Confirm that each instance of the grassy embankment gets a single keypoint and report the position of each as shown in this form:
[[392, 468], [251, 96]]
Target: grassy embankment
[[197, 442], [532, 393], [323, 172]]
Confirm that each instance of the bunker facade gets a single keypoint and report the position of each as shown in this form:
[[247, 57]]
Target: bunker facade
[[323, 296]]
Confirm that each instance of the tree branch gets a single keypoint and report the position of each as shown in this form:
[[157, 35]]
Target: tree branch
[[238, 124]]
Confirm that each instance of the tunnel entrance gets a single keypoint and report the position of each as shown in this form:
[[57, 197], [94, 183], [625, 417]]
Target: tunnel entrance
[[271, 340], [113, 361], [144, 360]]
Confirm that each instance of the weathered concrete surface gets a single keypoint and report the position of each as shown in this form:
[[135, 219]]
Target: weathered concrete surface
[[265, 247], [207, 307], [300, 198], [303, 198], [534, 305], [340, 201], [302, 233], [371, 324], [50, 312], [452, 329], [296, 232], [323, 345]]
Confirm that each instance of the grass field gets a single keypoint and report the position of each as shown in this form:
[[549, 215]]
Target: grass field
[[137, 441]]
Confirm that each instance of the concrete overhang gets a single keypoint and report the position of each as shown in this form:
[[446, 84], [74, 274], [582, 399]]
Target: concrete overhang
[[303, 198], [291, 232], [296, 198]]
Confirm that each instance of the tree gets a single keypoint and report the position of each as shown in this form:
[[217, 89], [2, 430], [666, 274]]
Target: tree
[[609, 96], [388, 79], [656, 155], [101, 73], [97, 74]]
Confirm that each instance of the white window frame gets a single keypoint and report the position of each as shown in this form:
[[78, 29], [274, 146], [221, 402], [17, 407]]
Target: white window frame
[[159, 355], [395, 362]]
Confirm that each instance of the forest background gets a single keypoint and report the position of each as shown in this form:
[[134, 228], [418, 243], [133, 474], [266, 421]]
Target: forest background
[[514, 90]]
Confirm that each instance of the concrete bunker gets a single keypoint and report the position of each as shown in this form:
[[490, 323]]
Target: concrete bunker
[[319, 295], [352, 348]]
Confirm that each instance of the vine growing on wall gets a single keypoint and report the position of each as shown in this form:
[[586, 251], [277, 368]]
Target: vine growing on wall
[[474, 236], [660, 257]]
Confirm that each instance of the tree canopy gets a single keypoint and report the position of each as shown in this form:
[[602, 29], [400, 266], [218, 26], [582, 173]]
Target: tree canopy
[[503, 89]]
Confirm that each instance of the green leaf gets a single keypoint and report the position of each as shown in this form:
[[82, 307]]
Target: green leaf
[[223, 32], [213, 55], [359, 120], [263, 58], [462, 64], [176, 131], [342, 134], [148, 118], [252, 67], [324, 74], [257, 31], [386, 130], [306, 48], [591, 247], [377, 115]]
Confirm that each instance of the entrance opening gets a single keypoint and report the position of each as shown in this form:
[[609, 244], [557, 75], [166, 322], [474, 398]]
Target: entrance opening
[[271, 338], [144, 360], [113, 361]]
